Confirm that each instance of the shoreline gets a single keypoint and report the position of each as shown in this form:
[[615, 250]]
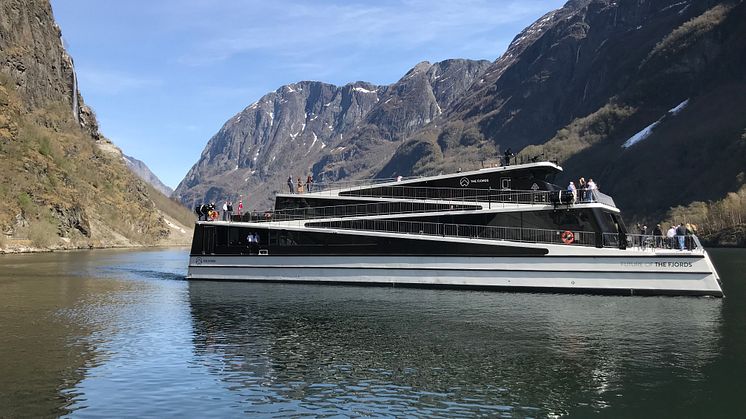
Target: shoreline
[[30, 250]]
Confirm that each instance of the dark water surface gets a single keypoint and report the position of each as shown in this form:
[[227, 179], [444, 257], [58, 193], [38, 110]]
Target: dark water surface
[[120, 333]]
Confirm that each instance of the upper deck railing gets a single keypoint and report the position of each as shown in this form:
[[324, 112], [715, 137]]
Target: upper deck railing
[[652, 242], [473, 195], [339, 185], [518, 234], [403, 203], [492, 200], [352, 210]]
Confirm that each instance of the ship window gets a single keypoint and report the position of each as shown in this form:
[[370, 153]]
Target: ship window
[[287, 238], [506, 219], [539, 219], [234, 237], [573, 220], [208, 240], [221, 236]]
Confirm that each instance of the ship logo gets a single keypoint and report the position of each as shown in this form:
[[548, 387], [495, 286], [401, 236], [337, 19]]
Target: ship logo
[[198, 261], [464, 182]]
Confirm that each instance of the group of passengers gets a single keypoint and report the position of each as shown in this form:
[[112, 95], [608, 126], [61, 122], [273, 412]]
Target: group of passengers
[[206, 212], [298, 187], [209, 212], [676, 237], [584, 192]]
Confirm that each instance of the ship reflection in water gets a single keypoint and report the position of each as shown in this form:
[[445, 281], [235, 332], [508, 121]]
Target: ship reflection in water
[[118, 333], [365, 351]]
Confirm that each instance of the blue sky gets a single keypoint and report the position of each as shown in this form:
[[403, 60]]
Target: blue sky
[[163, 76]]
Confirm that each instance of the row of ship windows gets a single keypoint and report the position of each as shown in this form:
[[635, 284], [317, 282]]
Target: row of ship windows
[[577, 220]]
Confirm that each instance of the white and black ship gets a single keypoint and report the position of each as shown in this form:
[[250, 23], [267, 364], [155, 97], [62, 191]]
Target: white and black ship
[[504, 228]]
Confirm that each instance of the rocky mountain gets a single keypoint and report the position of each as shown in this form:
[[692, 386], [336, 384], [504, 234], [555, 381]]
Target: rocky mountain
[[66, 186], [313, 127], [583, 80], [646, 97], [143, 172]]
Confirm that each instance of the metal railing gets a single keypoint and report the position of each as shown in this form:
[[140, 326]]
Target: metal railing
[[453, 194], [649, 241], [475, 195], [346, 184], [351, 210], [482, 196], [518, 234]]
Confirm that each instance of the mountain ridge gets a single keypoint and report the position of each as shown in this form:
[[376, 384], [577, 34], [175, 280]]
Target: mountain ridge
[[575, 85], [314, 127], [142, 170]]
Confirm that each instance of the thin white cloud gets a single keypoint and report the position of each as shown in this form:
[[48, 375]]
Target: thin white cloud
[[112, 82], [309, 30]]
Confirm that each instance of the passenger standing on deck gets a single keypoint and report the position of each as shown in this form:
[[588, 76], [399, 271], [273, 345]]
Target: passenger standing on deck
[[689, 240], [582, 189], [658, 233], [230, 211], [671, 237], [240, 207], [225, 210], [198, 210], [255, 242], [250, 242], [309, 182], [290, 183], [680, 234], [591, 190], [507, 156], [300, 186], [573, 191]]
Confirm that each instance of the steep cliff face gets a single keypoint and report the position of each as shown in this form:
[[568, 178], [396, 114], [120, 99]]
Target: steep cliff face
[[312, 127], [65, 186], [278, 136], [33, 54], [581, 81], [568, 64], [646, 97], [411, 103], [142, 171]]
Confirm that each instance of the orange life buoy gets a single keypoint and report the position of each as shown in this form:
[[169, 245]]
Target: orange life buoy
[[567, 237], [213, 215]]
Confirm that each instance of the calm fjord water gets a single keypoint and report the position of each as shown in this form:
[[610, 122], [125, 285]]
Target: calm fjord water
[[114, 333]]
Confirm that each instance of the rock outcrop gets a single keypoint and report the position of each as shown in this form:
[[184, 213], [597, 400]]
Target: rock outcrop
[[582, 80], [142, 171], [320, 129], [66, 186], [646, 97]]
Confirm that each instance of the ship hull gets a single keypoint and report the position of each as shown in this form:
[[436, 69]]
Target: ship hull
[[684, 274]]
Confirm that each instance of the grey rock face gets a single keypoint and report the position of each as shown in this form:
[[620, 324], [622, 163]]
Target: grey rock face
[[568, 64], [316, 128], [591, 71], [70, 218], [34, 57], [565, 80], [143, 172], [24, 38], [278, 136]]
